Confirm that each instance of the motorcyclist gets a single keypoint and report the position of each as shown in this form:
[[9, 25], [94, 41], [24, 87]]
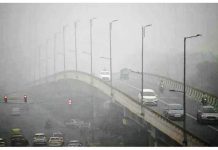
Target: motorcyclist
[[161, 86], [204, 99]]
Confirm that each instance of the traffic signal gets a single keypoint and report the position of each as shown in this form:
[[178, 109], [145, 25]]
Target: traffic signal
[[69, 101], [5, 99], [25, 98]]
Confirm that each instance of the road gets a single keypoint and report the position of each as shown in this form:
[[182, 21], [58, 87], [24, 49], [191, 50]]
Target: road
[[133, 86]]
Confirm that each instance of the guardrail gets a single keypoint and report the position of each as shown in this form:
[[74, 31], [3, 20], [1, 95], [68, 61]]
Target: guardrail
[[195, 93], [158, 121]]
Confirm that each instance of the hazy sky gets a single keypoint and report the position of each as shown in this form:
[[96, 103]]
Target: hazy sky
[[25, 27]]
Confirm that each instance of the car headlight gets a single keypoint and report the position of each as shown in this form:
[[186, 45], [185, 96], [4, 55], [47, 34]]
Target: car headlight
[[203, 116]]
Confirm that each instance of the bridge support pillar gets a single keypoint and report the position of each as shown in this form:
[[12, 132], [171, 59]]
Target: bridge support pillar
[[124, 116], [152, 136]]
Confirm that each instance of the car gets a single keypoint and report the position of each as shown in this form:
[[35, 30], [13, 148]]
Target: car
[[207, 114], [76, 123], [18, 140], [60, 135], [16, 131], [74, 143], [55, 141], [40, 139], [3, 142], [174, 112], [124, 74], [149, 97], [15, 111], [105, 75]]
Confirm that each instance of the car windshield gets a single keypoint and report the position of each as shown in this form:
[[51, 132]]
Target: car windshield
[[54, 139], [57, 135], [175, 107], [209, 110], [148, 94], [39, 136]]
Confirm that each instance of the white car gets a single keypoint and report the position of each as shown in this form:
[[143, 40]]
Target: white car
[[105, 75], [74, 143], [60, 135], [15, 111], [174, 112], [149, 97], [207, 114], [39, 139], [77, 123], [55, 141]]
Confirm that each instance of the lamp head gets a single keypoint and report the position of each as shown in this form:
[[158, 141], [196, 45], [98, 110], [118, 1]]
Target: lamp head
[[148, 25]]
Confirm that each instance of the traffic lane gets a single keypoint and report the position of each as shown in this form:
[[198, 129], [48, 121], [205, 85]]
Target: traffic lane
[[161, 105]]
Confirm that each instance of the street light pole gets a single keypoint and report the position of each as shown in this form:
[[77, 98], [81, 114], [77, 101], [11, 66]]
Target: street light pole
[[91, 21], [185, 142], [92, 100], [143, 35], [110, 29], [46, 49], [39, 63], [75, 26], [54, 52], [64, 45]]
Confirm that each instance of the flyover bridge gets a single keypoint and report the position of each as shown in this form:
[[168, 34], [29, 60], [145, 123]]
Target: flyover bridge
[[131, 106]]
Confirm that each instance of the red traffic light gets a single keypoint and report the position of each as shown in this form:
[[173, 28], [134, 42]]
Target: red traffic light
[[69, 101]]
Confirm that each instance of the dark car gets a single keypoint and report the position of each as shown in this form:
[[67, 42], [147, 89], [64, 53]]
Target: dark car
[[19, 140], [207, 114]]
